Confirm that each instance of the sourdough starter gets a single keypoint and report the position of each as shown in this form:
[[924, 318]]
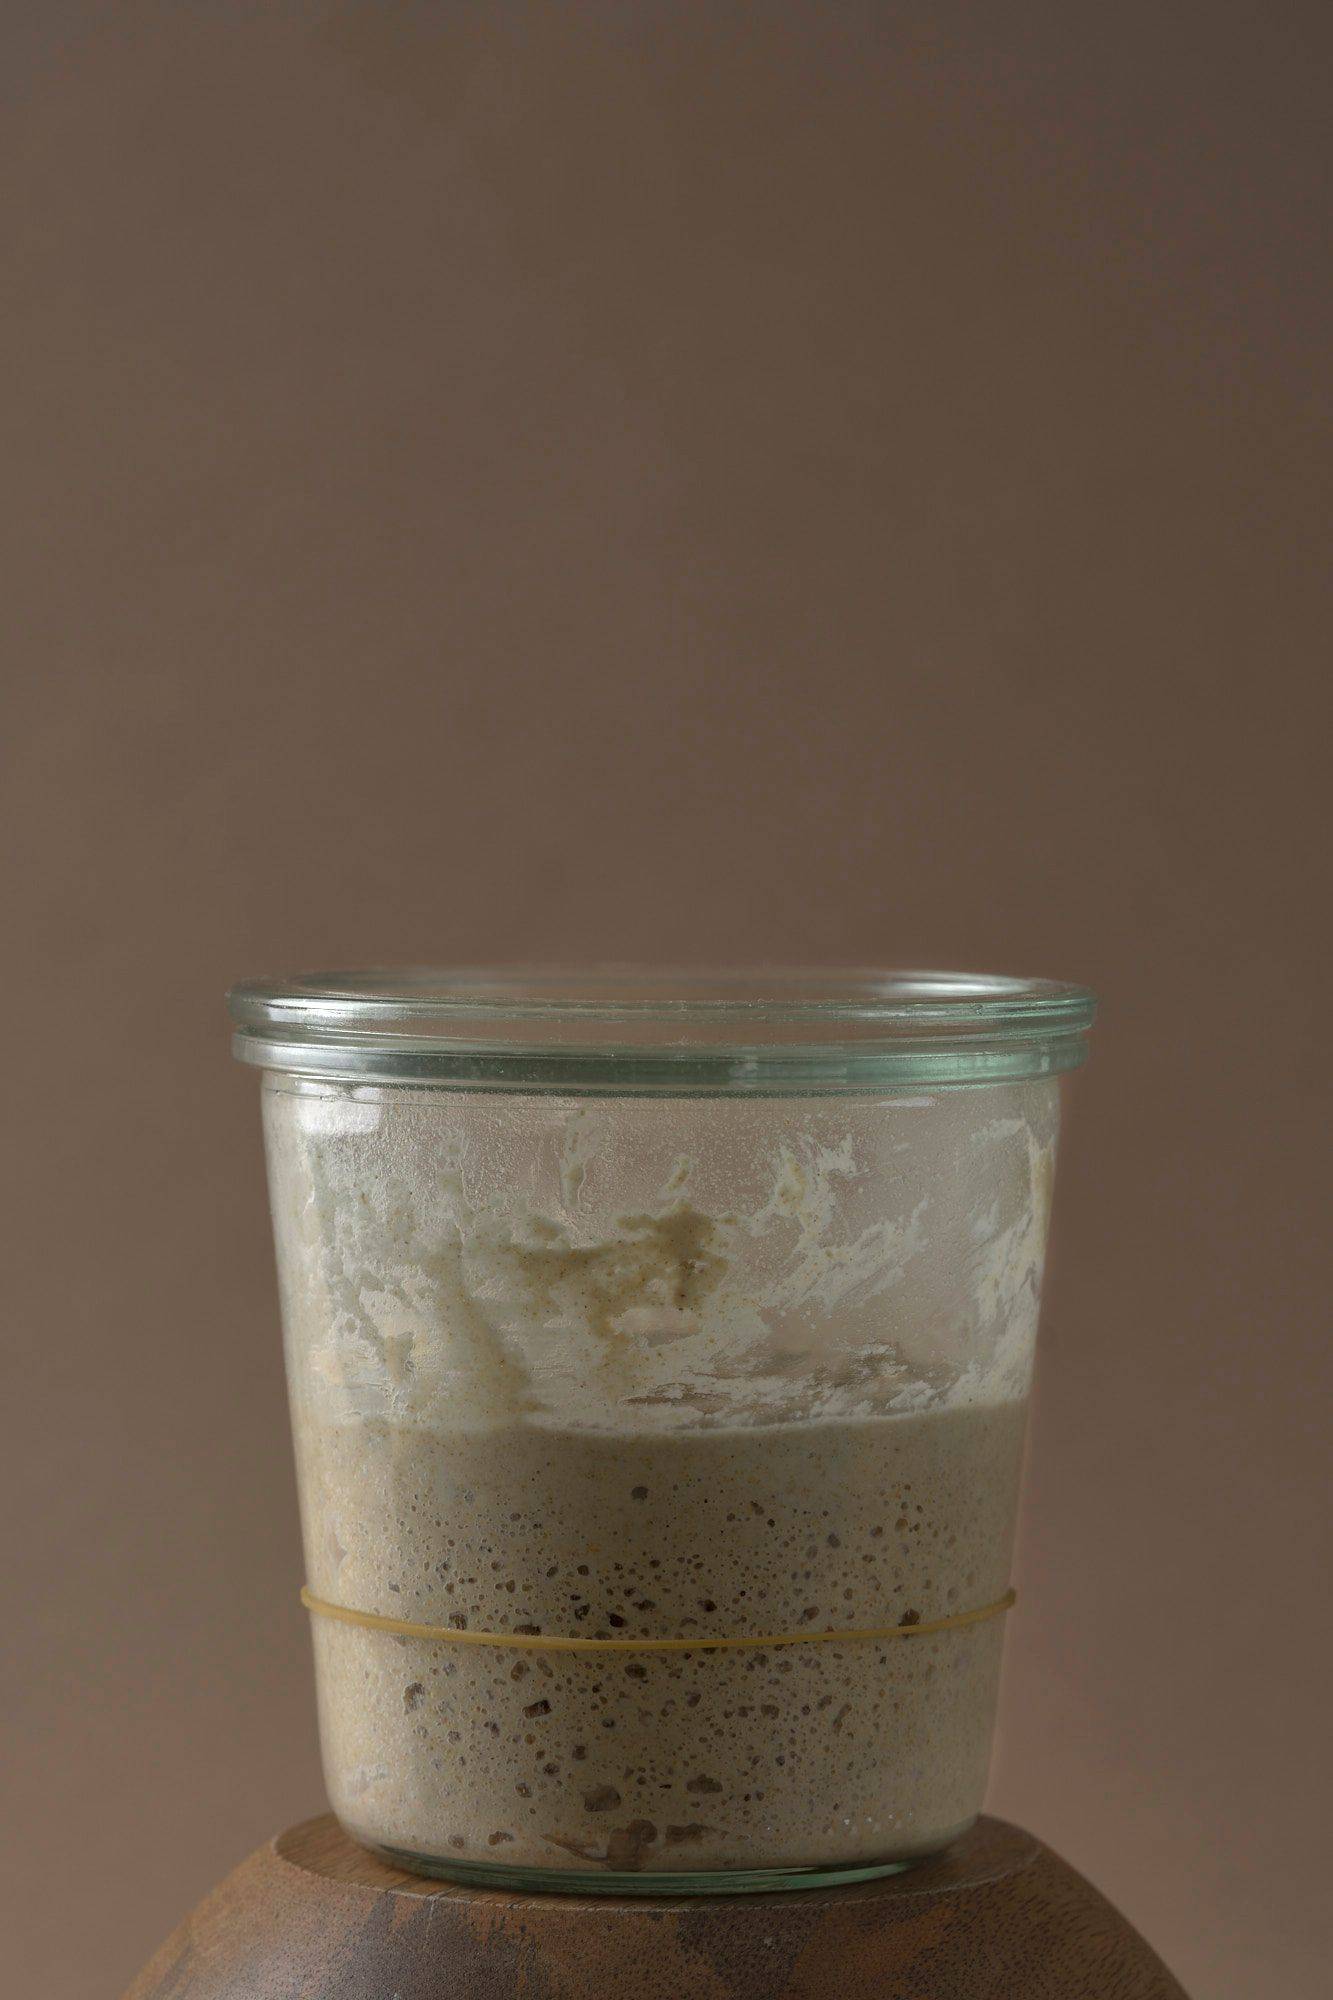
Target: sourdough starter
[[831, 1753]]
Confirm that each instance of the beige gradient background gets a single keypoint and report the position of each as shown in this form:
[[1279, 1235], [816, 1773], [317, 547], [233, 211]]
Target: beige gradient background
[[792, 482]]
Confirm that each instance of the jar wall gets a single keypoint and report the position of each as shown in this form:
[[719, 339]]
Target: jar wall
[[643, 1368]]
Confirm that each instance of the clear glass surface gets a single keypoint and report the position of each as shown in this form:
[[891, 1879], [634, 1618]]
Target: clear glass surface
[[641, 1361], [617, 1030]]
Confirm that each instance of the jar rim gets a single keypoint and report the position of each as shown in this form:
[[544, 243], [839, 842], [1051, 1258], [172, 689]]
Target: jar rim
[[636, 1028]]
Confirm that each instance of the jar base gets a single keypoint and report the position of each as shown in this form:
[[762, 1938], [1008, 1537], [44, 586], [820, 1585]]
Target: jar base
[[609, 1882]]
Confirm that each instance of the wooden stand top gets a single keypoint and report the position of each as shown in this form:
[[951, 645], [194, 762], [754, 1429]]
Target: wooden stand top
[[999, 1917]]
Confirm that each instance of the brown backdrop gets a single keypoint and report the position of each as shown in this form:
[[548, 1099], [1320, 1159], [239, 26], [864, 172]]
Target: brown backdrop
[[809, 482]]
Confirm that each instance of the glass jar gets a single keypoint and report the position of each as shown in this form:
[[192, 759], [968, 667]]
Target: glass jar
[[659, 1350]]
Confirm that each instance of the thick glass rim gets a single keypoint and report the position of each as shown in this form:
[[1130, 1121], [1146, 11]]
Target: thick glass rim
[[610, 1028]]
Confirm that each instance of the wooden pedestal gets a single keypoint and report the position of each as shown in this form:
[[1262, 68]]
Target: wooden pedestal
[[311, 1916]]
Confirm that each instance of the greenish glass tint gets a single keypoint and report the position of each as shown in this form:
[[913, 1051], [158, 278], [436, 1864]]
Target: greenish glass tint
[[626, 1032], [603, 1882]]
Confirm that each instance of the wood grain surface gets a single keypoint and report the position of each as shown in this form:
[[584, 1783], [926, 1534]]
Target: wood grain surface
[[311, 1916]]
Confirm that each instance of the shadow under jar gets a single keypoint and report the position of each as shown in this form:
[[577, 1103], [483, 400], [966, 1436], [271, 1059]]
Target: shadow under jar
[[627, 1315]]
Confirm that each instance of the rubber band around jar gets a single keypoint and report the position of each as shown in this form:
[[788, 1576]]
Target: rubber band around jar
[[537, 1642]]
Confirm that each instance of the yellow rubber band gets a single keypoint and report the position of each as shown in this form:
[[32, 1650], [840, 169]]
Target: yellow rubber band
[[540, 1642]]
